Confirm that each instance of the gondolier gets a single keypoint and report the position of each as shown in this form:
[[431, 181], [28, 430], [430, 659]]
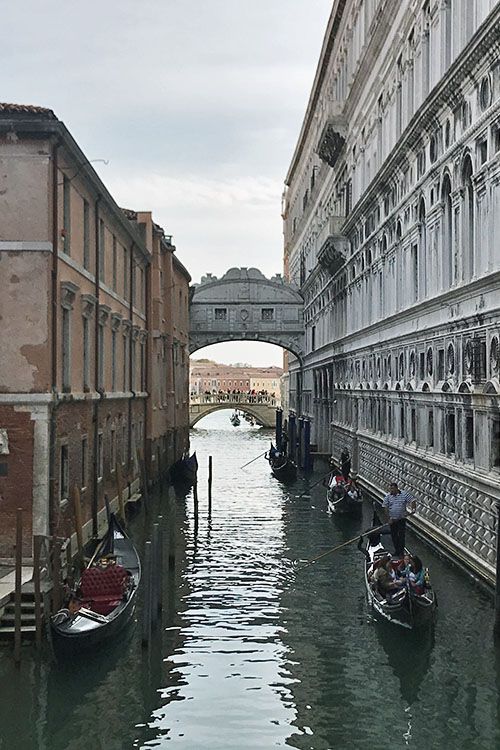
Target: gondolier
[[395, 504]]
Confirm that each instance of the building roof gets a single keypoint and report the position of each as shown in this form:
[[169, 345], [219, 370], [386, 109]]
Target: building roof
[[26, 109]]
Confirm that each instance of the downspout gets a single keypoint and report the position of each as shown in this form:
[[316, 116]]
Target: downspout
[[53, 323], [147, 369], [130, 363], [95, 415]]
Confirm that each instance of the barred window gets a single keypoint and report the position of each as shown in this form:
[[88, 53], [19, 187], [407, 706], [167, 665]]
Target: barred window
[[221, 313], [267, 313]]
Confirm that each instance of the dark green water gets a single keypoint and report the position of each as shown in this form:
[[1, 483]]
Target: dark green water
[[254, 654]]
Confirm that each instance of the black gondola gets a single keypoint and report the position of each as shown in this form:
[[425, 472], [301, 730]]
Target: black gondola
[[405, 607], [282, 467], [340, 501], [183, 473], [105, 594]]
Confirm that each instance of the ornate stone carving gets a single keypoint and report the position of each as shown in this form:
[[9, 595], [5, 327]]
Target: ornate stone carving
[[68, 294]]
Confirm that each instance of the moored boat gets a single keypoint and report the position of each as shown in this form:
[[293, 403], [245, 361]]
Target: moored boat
[[408, 606], [105, 596], [235, 420], [282, 467], [183, 473]]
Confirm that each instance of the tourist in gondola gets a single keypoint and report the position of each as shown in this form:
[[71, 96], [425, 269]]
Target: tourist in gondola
[[385, 578], [395, 504]]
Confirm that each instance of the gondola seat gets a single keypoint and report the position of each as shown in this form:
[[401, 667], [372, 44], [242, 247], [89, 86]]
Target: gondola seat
[[102, 589]]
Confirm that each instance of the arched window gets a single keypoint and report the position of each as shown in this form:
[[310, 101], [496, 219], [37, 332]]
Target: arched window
[[447, 233], [468, 220], [421, 282]]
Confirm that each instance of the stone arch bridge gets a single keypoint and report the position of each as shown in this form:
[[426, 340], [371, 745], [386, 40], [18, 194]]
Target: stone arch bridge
[[244, 305], [261, 408]]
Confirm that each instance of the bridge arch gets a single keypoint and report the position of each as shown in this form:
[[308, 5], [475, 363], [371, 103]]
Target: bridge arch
[[263, 415], [243, 305]]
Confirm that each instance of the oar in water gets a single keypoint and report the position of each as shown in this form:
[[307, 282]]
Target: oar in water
[[313, 485], [339, 546], [253, 459]]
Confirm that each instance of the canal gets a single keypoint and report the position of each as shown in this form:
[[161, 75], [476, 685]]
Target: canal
[[255, 653]]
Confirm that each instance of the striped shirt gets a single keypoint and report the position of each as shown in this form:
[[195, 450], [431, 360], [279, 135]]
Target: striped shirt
[[396, 504]]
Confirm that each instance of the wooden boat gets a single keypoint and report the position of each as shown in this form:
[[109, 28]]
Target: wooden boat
[[183, 473], [405, 607], [235, 420], [282, 467], [105, 594], [339, 501]]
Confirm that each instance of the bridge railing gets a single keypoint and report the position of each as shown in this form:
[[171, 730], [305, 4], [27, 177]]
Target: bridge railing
[[234, 398]]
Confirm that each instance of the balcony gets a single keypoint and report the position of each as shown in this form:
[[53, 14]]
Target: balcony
[[332, 244], [332, 137]]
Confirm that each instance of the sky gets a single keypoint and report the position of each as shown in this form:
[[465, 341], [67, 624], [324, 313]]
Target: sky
[[196, 107]]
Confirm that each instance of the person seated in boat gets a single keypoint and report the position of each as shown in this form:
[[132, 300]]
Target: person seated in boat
[[404, 567], [74, 605], [353, 489], [385, 578], [417, 575]]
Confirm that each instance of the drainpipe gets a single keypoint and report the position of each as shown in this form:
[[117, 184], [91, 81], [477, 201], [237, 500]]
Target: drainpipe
[[53, 323], [147, 369], [95, 415], [130, 363]]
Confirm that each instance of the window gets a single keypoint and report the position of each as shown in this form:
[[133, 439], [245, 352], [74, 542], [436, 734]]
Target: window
[[113, 360], [429, 358], [430, 429], [84, 462], [413, 426], [402, 425], [450, 433], [221, 313], [468, 435], [485, 93], [115, 263], [86, 354], [100, 350], [267, 313], [495, 443], [101, 250], [125, 362], [482, 151], [133, 364], [66, 233], [64, 474], [126, 271], [441, 364], [86, 235], [100, 456], [414, 267], [66, 349]]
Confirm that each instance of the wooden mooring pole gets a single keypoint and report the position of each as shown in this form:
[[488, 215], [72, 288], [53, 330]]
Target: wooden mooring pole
[[37, 546], [146, 606], [18, 579], [77, 510], [119, 488], [210, 485]]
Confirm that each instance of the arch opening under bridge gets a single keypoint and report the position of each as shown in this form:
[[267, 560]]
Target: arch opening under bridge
[[261, 408]]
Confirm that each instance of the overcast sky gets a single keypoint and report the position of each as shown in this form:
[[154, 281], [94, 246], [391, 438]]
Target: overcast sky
[[195, 104]]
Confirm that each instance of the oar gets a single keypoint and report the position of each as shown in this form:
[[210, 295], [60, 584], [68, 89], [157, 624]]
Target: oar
[[253, 459], [312, 485], [339, 546]]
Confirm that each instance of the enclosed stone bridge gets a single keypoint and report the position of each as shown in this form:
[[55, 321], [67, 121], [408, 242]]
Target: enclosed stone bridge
[[244, 305], [261, 408]]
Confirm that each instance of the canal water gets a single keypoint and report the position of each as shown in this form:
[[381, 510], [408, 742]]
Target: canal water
[[256, 653]]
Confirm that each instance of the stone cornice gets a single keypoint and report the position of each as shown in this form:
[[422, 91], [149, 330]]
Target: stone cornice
[[88, 302]]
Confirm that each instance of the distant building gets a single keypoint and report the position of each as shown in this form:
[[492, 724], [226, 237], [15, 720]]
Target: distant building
[[94, 310], [208, 377]]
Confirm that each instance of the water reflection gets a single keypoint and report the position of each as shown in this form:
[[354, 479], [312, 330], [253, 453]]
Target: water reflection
[[256, 653]]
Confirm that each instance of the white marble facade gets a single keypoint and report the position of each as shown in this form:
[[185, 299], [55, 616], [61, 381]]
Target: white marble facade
[[392, 230]]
